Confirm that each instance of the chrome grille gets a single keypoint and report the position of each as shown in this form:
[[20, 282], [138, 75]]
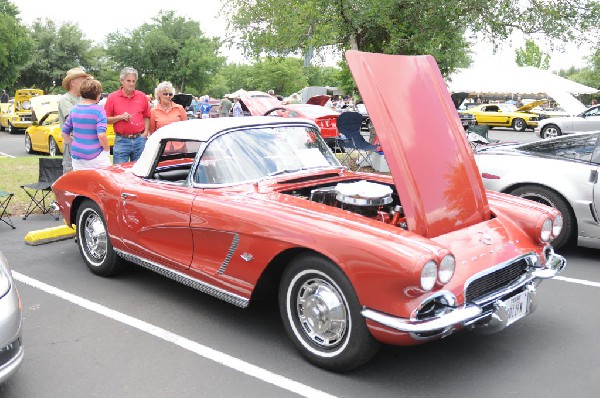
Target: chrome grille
[[494, 280]]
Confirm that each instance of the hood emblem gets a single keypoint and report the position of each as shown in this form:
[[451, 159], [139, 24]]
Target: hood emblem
[[484, 238]]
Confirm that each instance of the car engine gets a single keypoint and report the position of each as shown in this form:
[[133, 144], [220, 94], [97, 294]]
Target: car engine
[[370, 199]]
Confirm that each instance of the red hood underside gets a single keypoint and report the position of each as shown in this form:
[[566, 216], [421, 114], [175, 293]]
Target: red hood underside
[[423, 140]]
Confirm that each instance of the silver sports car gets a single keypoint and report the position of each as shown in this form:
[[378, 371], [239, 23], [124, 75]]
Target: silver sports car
[[561, 172], [11, 349]]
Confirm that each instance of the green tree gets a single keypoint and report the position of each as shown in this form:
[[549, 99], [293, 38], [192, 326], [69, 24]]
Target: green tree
[[56, 50], [15, 45], [532, 55], [401, 27], [589, 75], [169, 48]]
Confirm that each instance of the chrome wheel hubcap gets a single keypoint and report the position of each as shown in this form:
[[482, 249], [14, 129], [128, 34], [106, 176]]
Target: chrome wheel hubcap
[[95, 237], [321, 312], [551, 132]]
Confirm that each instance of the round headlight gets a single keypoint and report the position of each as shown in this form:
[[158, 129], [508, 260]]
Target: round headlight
[[429, 275], [26, 105], [546, 230], [557, 225], [446, 269]]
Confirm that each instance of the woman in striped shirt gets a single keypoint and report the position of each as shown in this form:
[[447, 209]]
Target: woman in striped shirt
[[87, 122]]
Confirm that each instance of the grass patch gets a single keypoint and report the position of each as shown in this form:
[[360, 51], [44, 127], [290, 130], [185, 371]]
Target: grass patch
[[15, 172]]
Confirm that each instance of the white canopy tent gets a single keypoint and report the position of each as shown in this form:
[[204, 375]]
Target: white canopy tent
[[513, 80]]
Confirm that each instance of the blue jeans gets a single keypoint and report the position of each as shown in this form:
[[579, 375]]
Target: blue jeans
[[127, 149]]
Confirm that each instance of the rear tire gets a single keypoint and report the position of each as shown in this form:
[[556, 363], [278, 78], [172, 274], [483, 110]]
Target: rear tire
[[321, 314], [28, 146], [53, 147], [553, 199], [94, 242], [519, 124]]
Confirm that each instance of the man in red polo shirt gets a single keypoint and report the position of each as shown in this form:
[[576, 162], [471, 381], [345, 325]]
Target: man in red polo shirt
[[128, 111]]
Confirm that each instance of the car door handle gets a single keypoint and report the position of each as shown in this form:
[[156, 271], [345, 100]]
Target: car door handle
[[125, 195], [594, 176]]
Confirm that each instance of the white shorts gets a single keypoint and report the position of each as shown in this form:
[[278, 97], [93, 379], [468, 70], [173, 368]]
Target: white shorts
[[205, 116], [99, 162]]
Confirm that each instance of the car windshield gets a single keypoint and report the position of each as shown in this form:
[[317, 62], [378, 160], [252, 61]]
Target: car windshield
[[252, 154]]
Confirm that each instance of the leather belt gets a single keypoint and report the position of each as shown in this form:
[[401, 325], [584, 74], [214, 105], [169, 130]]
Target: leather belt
[[129, 136]]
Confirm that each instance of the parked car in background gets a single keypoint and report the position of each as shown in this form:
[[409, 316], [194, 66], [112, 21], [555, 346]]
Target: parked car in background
[[260, 207], [256, 103], [11, 346], [44, 134], [466, 119], [506, 115], [18, 115], [323, 117], [586, 121], [560, 172]]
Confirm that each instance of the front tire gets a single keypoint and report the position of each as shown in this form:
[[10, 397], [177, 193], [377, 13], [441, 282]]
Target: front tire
[[28, 146], [10, 128], [53, 147], [551, 198], [519, 124], [550, 131], [94, 242], [321, 314]]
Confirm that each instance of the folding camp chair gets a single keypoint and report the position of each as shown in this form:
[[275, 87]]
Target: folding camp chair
[[49, 171], [352, 142], [479, 135], [5, 198]]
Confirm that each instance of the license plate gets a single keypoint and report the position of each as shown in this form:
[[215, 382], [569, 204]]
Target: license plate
[[516, 307]]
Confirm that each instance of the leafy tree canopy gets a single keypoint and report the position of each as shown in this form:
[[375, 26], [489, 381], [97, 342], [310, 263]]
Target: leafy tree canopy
[[281, 27], [15, 45], [56, 49], [531, 55], [170, 48]]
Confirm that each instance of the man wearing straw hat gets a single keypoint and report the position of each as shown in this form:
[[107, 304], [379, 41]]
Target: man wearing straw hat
[[71, 83]]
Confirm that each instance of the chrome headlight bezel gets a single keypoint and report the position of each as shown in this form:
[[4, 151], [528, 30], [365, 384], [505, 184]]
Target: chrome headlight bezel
[[546, 230], [447, 268], [429, 275], [557, 225]]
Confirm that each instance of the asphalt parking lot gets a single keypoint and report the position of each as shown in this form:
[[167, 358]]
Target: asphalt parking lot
[[141, 335]]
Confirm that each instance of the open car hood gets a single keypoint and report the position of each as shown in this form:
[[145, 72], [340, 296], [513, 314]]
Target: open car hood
[[184, 100], [258, 102], [318, 100], [44, 104], [425, 146], [531, 105]]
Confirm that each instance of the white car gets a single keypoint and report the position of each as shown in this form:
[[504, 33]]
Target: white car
[[586, 121]]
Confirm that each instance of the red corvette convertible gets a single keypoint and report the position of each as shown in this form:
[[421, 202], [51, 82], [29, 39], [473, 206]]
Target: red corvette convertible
[[240, 207]]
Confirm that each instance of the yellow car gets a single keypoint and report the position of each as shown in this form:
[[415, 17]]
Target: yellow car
[[506, 115], [17, 115], [44, 134]]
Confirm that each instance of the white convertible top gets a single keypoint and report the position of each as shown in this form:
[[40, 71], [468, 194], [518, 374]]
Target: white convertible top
[[201, 130]]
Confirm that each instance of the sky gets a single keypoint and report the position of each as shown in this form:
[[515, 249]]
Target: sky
[[97, 19]]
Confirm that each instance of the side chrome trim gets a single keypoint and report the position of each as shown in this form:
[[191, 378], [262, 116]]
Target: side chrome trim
[[186, 280], [232, 249]]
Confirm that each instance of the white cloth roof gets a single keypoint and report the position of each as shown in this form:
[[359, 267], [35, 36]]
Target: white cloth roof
[[512, 80]]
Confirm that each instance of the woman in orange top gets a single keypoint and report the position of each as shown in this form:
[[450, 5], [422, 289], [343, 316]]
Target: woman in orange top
[[166, 111]]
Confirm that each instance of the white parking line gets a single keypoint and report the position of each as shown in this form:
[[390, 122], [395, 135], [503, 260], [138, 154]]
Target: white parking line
[[578, 281], [6, 154], [199, 349]]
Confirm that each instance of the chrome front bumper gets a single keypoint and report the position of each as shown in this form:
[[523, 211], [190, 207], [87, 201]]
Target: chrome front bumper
[[470, 314]]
